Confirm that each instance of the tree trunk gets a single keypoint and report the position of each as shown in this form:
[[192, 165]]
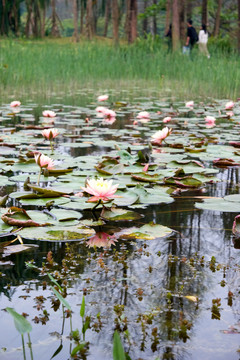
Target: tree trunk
[[217, 21], [204, 12], [55, 30], [115, 20], [189, 9], [239, 26], [75, 20], [131, 21], [175, 26], [89, 20], [82, 18], [182, 19], [43, 21], [154, 21], [28, 27], [16, 17], [107, 15], [168, 15]]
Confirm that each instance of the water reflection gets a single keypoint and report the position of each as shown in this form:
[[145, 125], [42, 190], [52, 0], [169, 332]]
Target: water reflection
[[136, 287]]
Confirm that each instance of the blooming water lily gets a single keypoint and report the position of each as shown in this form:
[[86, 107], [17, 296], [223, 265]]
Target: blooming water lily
[[49, 113], [50, 134], [43, 161], [100, 189], [160, 135], [103, 98], [229, 105], [15, 103]]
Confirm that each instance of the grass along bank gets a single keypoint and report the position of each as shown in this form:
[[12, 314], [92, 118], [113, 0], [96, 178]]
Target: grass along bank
[[52, 67]]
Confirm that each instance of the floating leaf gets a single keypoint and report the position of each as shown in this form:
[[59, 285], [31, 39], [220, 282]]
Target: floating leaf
[[219, 204], [57, 233], [145, 232], [116, 214]]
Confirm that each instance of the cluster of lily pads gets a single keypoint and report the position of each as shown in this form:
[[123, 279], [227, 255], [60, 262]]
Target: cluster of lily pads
[[101, 164]]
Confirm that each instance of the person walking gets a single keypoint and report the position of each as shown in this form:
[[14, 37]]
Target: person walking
[[203, 39], [192, 36]]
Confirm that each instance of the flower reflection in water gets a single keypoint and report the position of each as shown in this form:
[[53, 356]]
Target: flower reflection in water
[[101, 239]]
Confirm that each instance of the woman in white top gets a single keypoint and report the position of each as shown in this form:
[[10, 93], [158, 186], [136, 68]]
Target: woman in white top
[[202, 41]]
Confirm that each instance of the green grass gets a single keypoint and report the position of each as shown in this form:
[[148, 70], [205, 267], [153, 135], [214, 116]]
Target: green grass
[[57, 67]]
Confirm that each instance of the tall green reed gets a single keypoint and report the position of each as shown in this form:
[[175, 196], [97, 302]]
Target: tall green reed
[[34, 68]]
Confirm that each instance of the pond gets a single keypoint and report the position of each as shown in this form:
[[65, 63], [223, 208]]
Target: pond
[[154, 261]]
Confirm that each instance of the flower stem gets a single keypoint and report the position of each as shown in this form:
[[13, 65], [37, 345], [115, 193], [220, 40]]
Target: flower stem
[[52, 148], [39, 176]]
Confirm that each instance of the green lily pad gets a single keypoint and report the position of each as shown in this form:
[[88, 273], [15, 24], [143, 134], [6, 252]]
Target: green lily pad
[[45, 201], [145, 232], [116, 214], [219, 204], [57, 233]]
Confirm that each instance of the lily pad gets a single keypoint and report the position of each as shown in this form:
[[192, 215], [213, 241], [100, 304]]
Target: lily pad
[[219, 204], [116, 214], [145, 232], [57, 233]]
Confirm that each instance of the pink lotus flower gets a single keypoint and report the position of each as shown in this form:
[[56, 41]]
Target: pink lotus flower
[[160, 135], [103, 97], [230, 114], [210, 121], [102, 239], [50, 134], [109, 113], [190, 104], [229, 105], [101, 109], [49, 113], [100, 189], [167, 119], [143, 115], [43, 161], [15, 103]]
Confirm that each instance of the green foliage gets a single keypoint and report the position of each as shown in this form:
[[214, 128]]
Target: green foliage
[[52, 66], [21, 324], [118, 350]]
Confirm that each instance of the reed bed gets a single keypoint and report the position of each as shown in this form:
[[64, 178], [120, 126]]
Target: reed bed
[[51, 67]]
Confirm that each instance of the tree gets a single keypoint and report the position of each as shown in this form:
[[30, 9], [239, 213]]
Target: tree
[[238, 35], [55, 28], [89, 20], [204, 12], [131, 21], [168, 15], [175, 26], [107, 15], [115, 20], [75, 20], [217, 20], [182, 19]]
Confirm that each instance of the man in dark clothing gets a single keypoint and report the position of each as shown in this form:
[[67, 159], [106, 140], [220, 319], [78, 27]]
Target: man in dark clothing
[[192, 36]]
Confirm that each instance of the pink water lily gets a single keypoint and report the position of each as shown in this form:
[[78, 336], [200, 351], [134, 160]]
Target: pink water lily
[[143, 115], [49, 113], [102, 239], [100, 189], [189, 104], [160, 135], [210, 121], [167, 119], [109, 114], [230, 114], [103, 97], [229, 105], [50, 134], [44, 161], [15, 103]]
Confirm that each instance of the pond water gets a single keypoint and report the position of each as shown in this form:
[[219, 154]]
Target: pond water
[[159, 264]]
